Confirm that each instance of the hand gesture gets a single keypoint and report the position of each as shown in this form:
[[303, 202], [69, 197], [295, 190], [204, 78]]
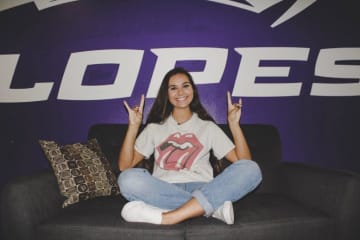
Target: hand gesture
[[135, 113], [234, 110]]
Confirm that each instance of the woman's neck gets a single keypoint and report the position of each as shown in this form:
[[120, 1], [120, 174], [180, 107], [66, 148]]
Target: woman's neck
[[181, 115]]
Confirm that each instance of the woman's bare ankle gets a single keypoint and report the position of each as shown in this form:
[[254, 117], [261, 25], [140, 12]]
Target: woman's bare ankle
[[168, 219]]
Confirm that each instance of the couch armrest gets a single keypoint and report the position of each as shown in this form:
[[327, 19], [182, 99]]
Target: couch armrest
[[336, 193], [26, 201]]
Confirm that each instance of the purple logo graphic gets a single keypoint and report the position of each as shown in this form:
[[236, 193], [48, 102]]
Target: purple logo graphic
[[66, 65], [255, 6]]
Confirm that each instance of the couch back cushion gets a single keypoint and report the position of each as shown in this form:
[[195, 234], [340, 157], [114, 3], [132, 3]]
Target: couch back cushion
[[263, 140]]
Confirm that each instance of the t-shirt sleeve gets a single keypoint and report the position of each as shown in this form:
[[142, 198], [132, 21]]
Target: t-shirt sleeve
[[221, 143], [144, 143]]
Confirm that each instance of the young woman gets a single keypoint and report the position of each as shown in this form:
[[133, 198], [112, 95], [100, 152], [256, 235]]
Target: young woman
[[180, 133]]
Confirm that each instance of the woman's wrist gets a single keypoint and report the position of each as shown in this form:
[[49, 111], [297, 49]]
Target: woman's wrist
[[134, 127], [233, 124]]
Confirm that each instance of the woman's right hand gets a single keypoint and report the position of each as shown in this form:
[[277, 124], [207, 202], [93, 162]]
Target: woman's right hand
[[135, 113]]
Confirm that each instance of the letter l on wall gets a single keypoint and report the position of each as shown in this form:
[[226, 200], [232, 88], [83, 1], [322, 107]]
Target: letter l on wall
[[40, 91]]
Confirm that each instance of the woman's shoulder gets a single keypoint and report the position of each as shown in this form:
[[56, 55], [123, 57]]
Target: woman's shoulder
[[152, 125], [155, 126], [208, 123]]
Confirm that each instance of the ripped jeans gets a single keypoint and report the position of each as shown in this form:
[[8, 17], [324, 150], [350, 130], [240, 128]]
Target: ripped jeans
[[237, 180]]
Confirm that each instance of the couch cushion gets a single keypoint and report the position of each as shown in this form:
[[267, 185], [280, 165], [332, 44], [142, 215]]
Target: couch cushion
[[82, 170], [265, 216], [100, 218], [257, 217]]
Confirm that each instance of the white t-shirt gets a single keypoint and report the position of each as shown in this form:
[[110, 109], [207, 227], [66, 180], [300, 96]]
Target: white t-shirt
[[182, 151]]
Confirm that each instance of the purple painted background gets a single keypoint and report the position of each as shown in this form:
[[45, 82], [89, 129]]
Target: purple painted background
[[321, 131]]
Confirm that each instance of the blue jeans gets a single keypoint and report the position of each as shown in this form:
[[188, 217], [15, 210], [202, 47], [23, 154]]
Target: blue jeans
[[237, 180]]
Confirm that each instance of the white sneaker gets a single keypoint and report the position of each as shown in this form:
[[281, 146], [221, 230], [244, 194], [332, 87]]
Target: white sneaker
[[225, 213], [138, 211]]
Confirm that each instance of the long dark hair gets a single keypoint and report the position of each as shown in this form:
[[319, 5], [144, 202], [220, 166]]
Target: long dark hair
[[162, 108]]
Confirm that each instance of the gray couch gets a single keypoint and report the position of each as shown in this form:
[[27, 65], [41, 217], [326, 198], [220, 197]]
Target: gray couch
[[294, 201]]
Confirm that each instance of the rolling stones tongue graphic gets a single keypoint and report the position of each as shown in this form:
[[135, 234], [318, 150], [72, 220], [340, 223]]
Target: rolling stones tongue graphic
[[178, 151]]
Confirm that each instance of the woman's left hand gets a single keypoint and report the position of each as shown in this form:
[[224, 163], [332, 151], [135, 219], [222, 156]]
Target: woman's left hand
[[234, 110]]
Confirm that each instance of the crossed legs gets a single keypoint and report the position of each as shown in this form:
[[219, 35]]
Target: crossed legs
[[174, 203]]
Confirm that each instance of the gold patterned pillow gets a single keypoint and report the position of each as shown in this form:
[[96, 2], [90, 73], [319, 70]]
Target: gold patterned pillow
[[82, 170]]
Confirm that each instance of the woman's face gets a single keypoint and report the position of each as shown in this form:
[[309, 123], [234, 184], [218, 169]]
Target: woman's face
[[180, 91]]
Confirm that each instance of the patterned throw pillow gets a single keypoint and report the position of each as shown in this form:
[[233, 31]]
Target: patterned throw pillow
[[82, 170]]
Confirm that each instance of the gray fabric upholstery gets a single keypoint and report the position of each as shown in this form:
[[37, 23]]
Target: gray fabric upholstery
[[100, 219], [27, 201], [266, 216], [294, 201], [335, 193]]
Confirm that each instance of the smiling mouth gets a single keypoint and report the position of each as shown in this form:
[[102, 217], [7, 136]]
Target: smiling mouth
[[181, 98]]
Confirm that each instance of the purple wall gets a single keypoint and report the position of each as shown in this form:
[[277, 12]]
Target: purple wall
[[76, 54]]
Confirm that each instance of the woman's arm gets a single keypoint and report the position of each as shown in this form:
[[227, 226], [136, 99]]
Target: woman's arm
[[241, 150], [128, 156]]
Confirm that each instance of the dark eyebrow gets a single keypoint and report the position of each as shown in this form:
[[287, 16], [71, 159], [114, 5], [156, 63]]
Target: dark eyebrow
[[174, 85]]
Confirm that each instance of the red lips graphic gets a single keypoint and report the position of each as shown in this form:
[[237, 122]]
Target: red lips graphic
[[178, 151]]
